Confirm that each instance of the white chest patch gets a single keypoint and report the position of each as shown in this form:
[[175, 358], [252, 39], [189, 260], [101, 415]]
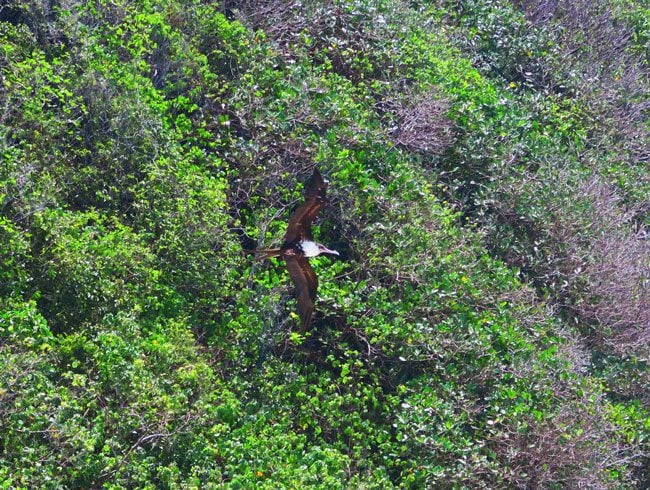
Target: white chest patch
[[310, 249]]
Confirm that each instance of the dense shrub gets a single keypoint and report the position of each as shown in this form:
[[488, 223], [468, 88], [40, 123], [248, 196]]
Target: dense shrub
[[580, 243], [564, 204], [422, 124], [596, 43]]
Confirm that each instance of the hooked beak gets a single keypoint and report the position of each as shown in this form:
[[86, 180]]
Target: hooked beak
[[331, 252]]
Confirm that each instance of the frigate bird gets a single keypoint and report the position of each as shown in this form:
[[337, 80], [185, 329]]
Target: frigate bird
[[298, 246]]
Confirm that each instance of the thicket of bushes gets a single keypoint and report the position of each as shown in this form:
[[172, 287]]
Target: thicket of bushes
[[569, 205], [487, 324]]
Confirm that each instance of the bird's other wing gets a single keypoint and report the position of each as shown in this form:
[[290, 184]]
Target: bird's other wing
[[315, 184], [299, 227], [306, 282]]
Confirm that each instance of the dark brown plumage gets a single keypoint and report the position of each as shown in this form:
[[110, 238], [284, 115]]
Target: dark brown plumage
[[298, 246], [302, 218], [304, 277]]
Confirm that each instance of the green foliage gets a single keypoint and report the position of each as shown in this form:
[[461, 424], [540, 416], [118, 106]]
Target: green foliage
[[89, 266], [639, 18], [14, 250], [22, 324], [144, 143]]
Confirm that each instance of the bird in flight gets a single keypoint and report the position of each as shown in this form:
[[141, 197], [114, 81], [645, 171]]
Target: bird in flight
[[299, 246]]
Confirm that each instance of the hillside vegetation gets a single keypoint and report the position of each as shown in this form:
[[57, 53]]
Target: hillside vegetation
[[487, 324]]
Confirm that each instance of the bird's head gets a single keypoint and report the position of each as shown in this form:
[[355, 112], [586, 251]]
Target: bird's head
[[312, 249], [322, 249]]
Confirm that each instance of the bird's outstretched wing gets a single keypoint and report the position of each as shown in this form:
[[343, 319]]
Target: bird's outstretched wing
[[306, 282], [299, 227]]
